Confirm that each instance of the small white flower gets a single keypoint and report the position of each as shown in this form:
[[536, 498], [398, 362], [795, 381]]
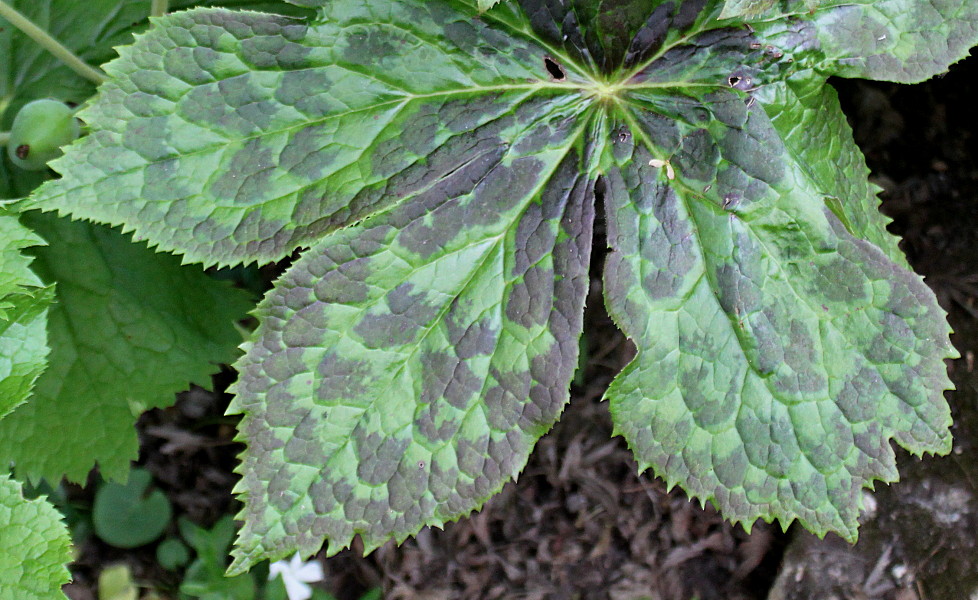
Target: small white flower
[[295, 575]]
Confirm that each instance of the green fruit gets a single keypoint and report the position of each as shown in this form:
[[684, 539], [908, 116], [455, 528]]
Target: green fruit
[[39, 131]]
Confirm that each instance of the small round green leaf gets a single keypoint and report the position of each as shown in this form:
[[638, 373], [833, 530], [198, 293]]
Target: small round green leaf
[[127, 516], [172, 554]]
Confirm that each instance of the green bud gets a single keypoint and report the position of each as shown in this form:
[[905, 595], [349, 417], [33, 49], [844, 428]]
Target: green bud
[[39, 131]]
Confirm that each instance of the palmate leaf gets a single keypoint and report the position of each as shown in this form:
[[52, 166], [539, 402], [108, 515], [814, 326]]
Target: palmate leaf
[[34, 547], [440, 168]]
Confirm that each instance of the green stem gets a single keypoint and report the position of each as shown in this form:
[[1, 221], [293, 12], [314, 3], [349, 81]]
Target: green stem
[[4, 138], [50, 44], [159, 8]]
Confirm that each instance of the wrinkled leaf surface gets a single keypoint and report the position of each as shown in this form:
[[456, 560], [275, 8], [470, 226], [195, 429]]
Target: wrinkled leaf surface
[[440, 168], [23, 310], [129, 329], [34, 547]]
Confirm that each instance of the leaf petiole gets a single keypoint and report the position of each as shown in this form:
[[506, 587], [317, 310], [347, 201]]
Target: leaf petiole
[[4, 138], [50, 44], [159, 8]]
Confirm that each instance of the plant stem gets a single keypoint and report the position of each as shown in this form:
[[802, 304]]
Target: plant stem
[[159, 8], [4, 138], [50, 44]]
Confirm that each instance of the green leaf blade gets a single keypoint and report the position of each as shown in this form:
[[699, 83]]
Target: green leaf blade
[[778, 354], [34, 548], [405, 367], [23, 315], [809, 120], [23, 346], [129, 330], [222, 146]]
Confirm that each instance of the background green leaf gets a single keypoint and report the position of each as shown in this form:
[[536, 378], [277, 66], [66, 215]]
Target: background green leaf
[[205, 578], [34, 547], [130, 328], [23, 315]]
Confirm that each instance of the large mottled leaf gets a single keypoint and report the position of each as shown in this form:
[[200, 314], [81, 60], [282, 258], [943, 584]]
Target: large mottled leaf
[[780, 348], [130, 328], [23, 315], [34, 547], [439, 166]]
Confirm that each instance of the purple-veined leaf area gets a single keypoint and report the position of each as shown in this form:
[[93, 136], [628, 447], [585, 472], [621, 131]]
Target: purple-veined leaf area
[[236, 137], [440, 167], [446, 352], [778, 354]]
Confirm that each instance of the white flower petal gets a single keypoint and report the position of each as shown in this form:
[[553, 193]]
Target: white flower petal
[[310, 572], [295, 574], [296, 589], [277, 568]]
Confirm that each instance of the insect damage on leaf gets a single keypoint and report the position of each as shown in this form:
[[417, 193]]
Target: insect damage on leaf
[[440, 167]]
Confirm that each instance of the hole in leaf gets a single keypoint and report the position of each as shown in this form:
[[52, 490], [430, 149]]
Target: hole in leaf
[[23, 151], [740, 81], [555, 70]]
